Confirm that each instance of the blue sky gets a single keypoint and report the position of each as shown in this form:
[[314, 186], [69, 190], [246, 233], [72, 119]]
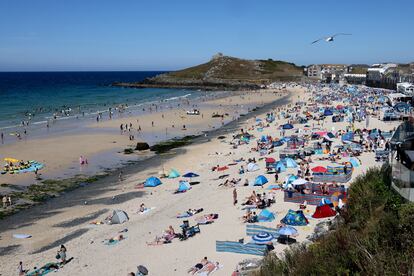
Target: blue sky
[[48, 35]]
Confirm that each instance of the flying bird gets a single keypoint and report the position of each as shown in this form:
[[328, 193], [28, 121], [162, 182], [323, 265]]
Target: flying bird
[[329, 38]]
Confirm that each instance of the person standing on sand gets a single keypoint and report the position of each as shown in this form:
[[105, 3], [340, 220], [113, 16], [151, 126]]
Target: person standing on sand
[[4, 202], [9, 201], [61, 254], [2, 138], [20, 269], [120, 177], [234, 196]]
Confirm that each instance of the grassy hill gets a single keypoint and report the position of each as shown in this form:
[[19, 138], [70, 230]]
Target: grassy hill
[[224, 72]]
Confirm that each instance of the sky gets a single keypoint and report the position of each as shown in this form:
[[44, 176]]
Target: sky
[[72, 35]]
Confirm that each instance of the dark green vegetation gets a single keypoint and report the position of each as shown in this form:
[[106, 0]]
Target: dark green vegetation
[[165, 146], [375, 236], [38, 193], [224, 72]]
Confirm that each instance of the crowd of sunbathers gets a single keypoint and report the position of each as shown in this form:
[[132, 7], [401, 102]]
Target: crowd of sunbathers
[[260, 201]]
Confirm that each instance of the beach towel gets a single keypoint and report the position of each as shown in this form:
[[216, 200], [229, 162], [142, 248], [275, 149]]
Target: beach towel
[[254, 229], [240, 248], [21, 236], [146, 210], [47, 268]]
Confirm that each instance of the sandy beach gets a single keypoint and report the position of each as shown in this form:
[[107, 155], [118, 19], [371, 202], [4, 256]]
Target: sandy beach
[[66, 219]]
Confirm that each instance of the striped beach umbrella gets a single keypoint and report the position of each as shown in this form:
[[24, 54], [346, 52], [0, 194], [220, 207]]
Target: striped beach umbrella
[[262, 238]]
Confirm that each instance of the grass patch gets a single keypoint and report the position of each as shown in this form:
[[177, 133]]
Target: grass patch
[[375, 237]]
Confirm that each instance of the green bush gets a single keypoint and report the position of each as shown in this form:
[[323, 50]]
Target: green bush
[[375, 238]]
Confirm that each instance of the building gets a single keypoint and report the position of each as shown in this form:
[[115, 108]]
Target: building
[[314, 71], [355, 78], [383, 75], [406, 88], [327, 72], [402, 160]]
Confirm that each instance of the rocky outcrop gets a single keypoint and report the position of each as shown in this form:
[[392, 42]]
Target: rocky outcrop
[[142, 146], [224, 73]]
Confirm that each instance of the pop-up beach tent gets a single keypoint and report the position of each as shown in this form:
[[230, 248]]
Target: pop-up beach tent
[[287, 126], [296, 218], [323, 211], [260, 180], [279, 166], [119, 216], [152, 182], [252, 167], [173, 174], [183, 186], [266, 216], [290, 163]]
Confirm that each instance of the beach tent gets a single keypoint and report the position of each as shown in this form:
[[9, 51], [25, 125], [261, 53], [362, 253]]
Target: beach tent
[[296, 218], [119, 216], [287, 126], [263, 139], [190, 175], [327, 112], [152, 182], [266, 216], [290, 163], [278, 143], [183, 186], [354, 162], [349, 136], [323, 211], [173, 174], [330, 135], [252, 167], [279, 166], [290, 178], [260, 180]]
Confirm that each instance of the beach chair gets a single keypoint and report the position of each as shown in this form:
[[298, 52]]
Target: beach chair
[[240, 248]]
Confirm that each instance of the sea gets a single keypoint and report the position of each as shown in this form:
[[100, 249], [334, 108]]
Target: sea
[[37, 97]]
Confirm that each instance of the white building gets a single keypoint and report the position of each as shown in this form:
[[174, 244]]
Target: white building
[[406, 88]]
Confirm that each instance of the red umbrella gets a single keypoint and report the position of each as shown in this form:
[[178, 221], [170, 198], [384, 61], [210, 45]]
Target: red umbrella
[[319, 169], [339, 106], [270, 160]]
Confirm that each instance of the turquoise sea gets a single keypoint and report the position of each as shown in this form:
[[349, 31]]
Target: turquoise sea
[[39, 96]]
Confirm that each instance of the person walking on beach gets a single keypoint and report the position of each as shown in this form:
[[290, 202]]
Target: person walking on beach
[[20, 269], [120, 177], [9, 201], [2, 138], [234, 196]]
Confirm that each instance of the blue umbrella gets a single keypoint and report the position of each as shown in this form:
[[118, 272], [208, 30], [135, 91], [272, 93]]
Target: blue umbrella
[[262, 238], [279, 166], [190, 175], [287, 231], [260, 180], [290, 163]]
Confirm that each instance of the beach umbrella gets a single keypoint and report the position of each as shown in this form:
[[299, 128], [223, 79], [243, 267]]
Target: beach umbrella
[[339, 106], [152, 182], [299, 181], [330, 135], [190, 175], [262, 238], [260, 180], [173, 174], [9, 159], [270, 160], [319, 169], [327, 112], [290, 163], [321, 133], [287, 126], [288, 231]]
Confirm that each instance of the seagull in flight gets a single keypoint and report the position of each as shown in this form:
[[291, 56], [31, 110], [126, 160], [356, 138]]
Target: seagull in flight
[[329, 38]]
